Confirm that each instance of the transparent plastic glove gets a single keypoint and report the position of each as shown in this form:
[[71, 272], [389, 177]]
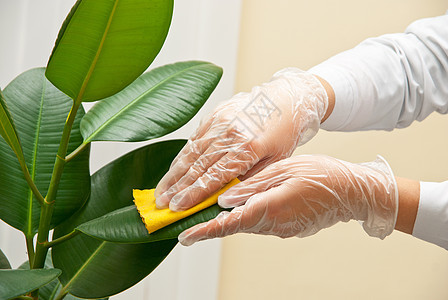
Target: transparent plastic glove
[[301, 195], [244, 135]]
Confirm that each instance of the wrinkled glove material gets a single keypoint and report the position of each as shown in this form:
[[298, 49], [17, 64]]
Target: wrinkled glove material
[[301, 195], [244, 135]]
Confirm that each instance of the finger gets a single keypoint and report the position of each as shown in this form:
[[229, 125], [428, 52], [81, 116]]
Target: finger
[[197, 169], [187, 156], [257, 168], [217, 117], [204, 127], [227, 168], [214, 141], [264, 180], [192, 147], [271, 212], [226, 108], [226, 223], [211, 147], [263, 213], [214, 136]]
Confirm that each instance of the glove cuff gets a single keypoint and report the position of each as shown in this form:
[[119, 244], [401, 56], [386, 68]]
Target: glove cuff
[[311, 101], [382, 213]]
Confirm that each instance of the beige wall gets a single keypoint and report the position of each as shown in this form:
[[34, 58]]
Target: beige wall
[[341, 262]]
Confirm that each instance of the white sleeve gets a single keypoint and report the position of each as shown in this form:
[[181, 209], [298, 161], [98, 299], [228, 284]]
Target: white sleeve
[[431, 223], [389, 81]]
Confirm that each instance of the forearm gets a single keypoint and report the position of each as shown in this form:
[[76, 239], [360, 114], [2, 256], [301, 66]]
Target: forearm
[[423, 210], [408, 200], [331, 98]]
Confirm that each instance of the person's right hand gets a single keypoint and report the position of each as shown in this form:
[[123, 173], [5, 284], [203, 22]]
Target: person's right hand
[[301, 195], [244, 135]]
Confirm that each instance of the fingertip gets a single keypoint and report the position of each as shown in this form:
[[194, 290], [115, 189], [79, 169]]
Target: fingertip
[[224, 202], [163, 191], [193, 234], [186, 243], [157, 191], [184, 200], [162, 201], [176, 203], [183, 238], [176, 207], [160, 205]]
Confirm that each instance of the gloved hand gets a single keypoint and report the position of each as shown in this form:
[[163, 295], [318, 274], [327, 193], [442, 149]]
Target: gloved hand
[[244, 135], [301, 195]]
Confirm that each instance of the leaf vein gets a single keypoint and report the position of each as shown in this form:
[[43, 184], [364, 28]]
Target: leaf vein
[[130, 104], [34, 161], [97, 54], [84, 266]]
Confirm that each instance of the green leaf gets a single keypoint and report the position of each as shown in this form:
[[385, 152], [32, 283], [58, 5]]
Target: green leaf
[[52, 289], [157, 103], [90, 266], [126, 226], [39, 111], [104, 45], [15, 283], [123, 225], [8, 130], [4, 263]]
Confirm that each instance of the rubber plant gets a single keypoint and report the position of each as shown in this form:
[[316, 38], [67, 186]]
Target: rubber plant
[[99, 245]]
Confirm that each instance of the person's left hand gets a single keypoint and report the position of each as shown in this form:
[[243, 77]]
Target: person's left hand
[[244, 135], [301, 195]]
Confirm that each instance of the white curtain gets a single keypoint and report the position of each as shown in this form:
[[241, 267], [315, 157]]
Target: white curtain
[[202, 30]]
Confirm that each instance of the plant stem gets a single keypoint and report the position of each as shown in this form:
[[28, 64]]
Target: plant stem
[[61, 239], [46, 211], [77, 151], [61, 295], [48, 207], [53, 293], [30, 249]]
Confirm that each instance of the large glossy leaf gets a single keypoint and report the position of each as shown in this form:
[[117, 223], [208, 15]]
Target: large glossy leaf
[[157, 103], [90, 266], [14, 283], [4, 263], [126, 226], [52, 289], [104, 45], [8, 130], [39, 111]]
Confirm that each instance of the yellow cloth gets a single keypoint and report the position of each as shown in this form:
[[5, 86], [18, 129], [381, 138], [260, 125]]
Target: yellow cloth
[[156, 219]]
